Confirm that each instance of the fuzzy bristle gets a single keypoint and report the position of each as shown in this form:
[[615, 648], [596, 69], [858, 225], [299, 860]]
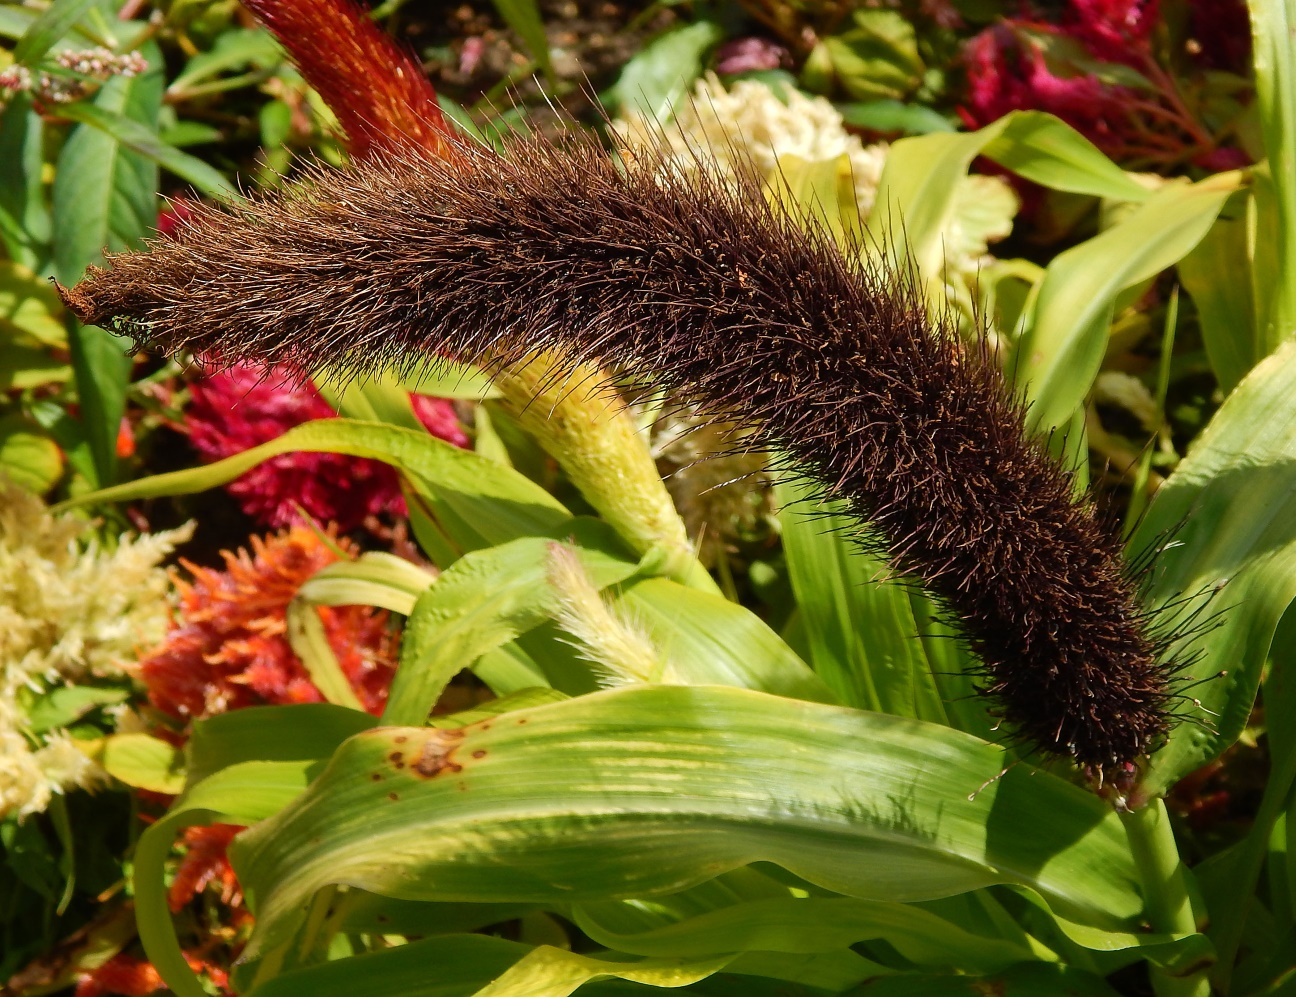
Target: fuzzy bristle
[[701, 287]]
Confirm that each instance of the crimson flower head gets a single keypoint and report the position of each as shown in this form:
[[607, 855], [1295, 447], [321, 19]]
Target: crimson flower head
[[1144, 121], [229, 647], [1113, 30], [242, 407]]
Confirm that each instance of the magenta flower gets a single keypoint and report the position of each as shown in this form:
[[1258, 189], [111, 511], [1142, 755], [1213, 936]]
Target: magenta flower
[[1011, 66], [243, 407]]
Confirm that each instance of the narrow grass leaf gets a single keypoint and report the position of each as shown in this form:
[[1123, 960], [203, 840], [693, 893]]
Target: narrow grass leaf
[[486, 599], [501, 503]]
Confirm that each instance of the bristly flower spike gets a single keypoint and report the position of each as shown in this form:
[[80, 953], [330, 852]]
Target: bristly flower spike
[[701, 287]]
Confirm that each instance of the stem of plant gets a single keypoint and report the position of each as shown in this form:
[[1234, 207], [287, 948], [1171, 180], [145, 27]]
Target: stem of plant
[[585, 427], [1165, 891]]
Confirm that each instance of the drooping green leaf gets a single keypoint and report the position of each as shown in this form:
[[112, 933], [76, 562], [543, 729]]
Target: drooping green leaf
[[646, 790], [812, 925], [1059, 353], [486, 599], [239, 794], [916, 195], [309, 641], [497, 503], [1048, 151], [1225, 523], [375, 578]]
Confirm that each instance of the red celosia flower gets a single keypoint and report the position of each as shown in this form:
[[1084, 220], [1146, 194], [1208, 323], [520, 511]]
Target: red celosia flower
[[1113, 30], [376, 89], [127, 975], [240, 408], [229, 648]]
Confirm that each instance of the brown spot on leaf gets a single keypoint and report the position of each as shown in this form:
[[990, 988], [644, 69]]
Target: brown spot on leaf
[[376, 777], [437, 754], [400, 738], [479, 753], [393, 797]]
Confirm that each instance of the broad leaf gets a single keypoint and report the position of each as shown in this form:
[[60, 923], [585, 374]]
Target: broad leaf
[[648, 790], [1225, 525]]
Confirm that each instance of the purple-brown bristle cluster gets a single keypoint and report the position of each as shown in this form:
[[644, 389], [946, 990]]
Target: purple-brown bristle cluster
[[697, 285]]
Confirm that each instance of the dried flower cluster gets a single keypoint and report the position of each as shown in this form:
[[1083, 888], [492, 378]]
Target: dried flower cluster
[[71, 612], [78, 74]]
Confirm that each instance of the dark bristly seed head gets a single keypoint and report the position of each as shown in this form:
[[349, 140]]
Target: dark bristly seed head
[[697, 285]]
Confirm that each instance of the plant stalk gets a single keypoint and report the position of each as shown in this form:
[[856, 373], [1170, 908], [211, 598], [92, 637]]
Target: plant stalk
[[1165, 891]]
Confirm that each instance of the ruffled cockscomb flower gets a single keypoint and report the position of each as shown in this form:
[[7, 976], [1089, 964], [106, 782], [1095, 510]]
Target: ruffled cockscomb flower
[[242, 407], [72, 612], [229, 646], [1140, 119]]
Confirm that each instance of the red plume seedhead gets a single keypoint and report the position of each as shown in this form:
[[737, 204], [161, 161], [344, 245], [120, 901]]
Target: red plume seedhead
[[701, 287]]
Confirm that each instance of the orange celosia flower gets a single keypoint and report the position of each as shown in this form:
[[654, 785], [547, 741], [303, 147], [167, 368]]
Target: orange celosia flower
[[376, 88], [204, 863], [229, 648]]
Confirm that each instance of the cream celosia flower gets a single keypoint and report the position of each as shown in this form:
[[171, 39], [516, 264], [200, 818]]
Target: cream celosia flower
[[70, 612], [749, 124]]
